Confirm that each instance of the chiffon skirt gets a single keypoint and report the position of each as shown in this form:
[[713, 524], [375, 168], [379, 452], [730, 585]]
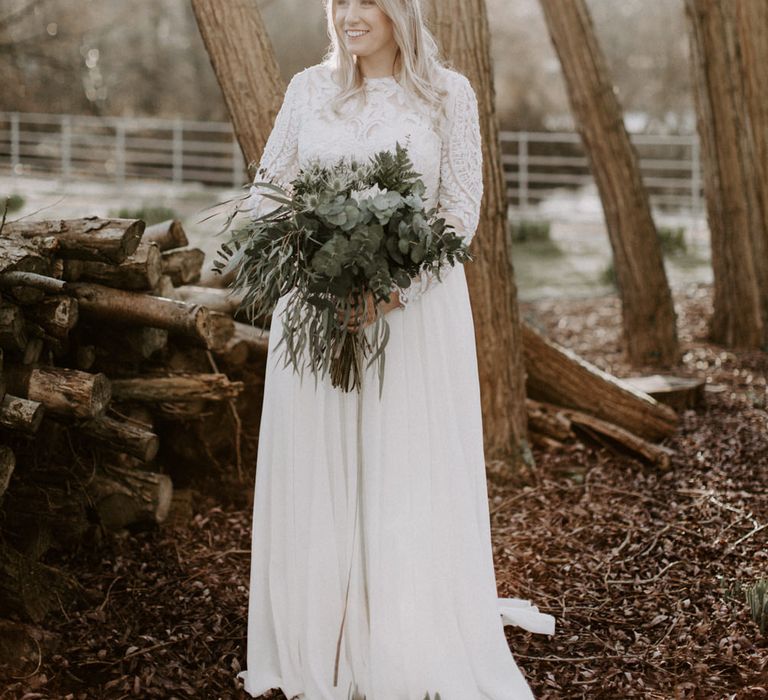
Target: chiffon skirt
[[395, 525]]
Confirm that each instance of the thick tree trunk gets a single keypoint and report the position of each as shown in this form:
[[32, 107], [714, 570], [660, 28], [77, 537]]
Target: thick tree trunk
[[461, 28], [649, 323], [244, 62], [752, 33], [730, 178], [558, 376]]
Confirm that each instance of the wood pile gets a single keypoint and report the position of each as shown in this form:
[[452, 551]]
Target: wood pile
[[118, 377]]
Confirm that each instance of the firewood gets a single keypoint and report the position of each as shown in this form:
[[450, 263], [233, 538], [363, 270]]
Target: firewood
[[140, 271], [22, 647], [678, 392], [20, 414], [177, 388], [7, 465], [30, 589], [256, 338], [65, 392], [117, 306], [20, 254], [57, 315], [48, 511], [122, 436], [167, 234], [222, 300], [13, 334], [33, 351], [559, 376], [89, 238], [84, 356], [234, 353], [558, 423], [42, 282], [165, 288], [222, 330], [132, 344], [125, 497], [183, 265]]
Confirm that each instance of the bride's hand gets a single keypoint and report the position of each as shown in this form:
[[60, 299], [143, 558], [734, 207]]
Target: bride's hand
[[357, 312]]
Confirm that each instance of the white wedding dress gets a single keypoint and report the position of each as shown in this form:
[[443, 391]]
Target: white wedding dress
[[407, 527]]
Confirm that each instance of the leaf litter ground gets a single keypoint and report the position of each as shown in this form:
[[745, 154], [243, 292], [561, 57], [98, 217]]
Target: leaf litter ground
[[633, 562]]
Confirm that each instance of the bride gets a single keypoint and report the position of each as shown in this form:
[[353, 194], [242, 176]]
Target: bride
[[372, 572]]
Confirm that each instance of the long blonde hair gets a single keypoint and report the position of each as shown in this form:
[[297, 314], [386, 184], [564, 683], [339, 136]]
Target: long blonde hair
[[417, 56]]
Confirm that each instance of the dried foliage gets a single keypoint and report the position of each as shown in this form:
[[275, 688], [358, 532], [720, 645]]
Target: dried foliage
[[641, 568]]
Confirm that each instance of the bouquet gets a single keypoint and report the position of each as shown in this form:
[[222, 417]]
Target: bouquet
[[341, 234]]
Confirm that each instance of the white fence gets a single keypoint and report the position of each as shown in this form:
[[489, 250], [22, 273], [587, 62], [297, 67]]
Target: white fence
[[179, 151]]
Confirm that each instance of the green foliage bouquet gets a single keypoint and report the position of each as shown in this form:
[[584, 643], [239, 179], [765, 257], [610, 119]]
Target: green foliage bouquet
[[339, 232]]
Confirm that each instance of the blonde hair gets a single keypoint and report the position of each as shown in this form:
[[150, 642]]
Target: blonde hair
[[417, 56]]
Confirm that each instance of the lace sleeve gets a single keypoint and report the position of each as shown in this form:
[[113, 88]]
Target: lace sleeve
[[461, 180], [279, 161]]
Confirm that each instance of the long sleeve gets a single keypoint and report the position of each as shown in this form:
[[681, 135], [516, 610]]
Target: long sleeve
[[461, 180], [279, 161]]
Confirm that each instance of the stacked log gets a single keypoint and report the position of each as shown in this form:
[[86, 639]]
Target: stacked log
[[114, 367]]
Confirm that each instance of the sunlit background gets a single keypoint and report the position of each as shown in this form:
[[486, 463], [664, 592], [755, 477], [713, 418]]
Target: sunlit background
[[126, 61]]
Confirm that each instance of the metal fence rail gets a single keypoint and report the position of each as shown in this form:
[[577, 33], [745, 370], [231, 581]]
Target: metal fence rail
[[176, 150]]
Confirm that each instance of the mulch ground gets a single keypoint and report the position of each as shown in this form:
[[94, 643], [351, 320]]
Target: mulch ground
[[641, 568]]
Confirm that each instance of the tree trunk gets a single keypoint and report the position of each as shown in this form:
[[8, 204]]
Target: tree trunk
[[461, 29], [558, 376], [752, 29], [649, 323], [730, 178], [244, 62]]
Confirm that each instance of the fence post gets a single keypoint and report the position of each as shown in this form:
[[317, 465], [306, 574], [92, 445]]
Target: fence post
[[237, 164], [15, 149], [178, 151], [120, 151], [66, 146], [522, 166], [696, 178]]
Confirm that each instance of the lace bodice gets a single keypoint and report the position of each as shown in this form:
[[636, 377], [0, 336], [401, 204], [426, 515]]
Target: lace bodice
[[306, 129]]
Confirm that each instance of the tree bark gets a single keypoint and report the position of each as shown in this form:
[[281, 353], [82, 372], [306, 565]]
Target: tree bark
[[177, 388], [20, 414], [244, 61], [65, 392], [461, 28], [89, 238], [167, 235], [649, 321], [132, 308], [122, 436], [124, 497], [223, 300], [558, 376], [740, 317], [139, 271], [183, 265]]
